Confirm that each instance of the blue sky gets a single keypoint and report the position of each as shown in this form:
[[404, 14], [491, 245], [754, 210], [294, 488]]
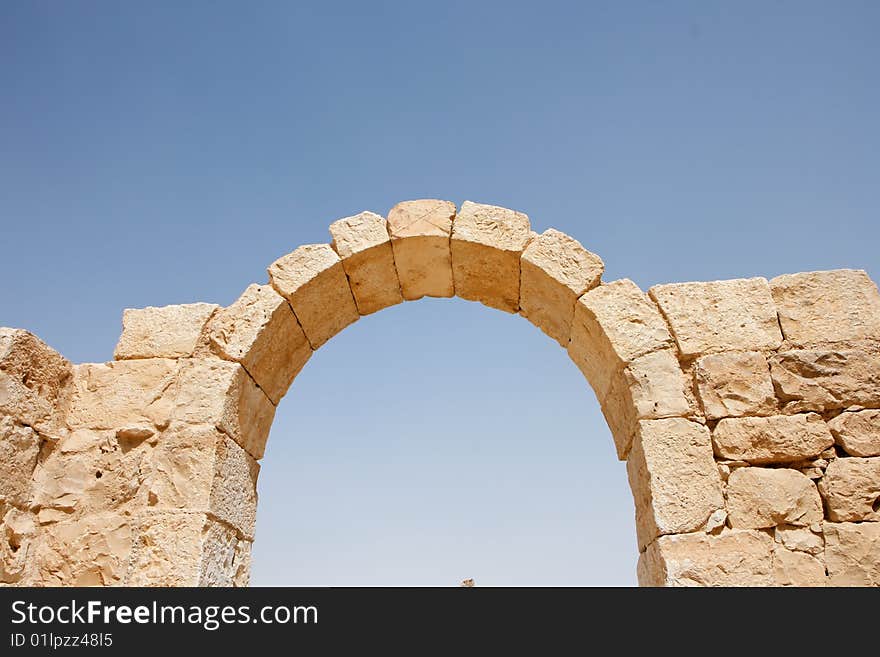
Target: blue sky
[[167, 152]]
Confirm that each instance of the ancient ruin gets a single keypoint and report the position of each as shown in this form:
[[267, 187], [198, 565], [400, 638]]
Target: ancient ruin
[[748, 411]]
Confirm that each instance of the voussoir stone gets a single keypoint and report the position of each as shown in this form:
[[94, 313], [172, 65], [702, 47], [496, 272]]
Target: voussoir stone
[[487, 242], [260, 331], [857, 432], [166, 332], [313, 280], [420, 232], [675, 483], [613, 325], [852, 553], [820, 379], [556, 270], [738, 557], [734, 383], [363, 243], [827, 306], [766, 497], [773, 439], [851, 488], [717, 316]]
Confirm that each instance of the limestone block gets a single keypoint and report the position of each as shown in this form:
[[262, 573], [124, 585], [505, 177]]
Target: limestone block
[[221, 556], [797, 569], [800, 539], [487, 242], [19, 447], [613, 325], [851, 488], [34, 381], [827, 306], [738, 557], [766, 497], [260, 331], [852, 553], [650, 387], [556, 270], [820, 380], [241, 575], [774, 439], [420, 234], [167, 549], [675, 483], [166, 332], [734, 315], [858, 433], [313, 280], [733, 384], [17, 533]]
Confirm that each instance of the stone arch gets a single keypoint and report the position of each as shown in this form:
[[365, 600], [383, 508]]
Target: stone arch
[[748, 411]]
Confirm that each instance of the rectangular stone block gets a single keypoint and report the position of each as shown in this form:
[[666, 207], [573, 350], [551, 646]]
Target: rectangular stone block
[[313, 280], [420, 233], [821, 380], [734, 315], [797, 569], [675, 482], [556, 270], [851, 489], [735, 383], [487, 242], [19, 448], [827, 306], [852, 553], [858, 432], [363, 243], [774, 439], [766, 497], [166, 332]]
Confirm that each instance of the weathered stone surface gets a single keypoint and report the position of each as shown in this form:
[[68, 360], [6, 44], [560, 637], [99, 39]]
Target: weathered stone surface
[[858, 433], [766, 497], [820, 380], [674, 480], [166, 332], [613, 325], [420, 234], [774, 439], [797, 569], [19, 447], [737, 557], [800, 539], [363, 243], [852, 553], [721, 315], [556, 270], [313, 280], [827, 306], [650, 387], [17, 533], [851, 488], [34, 381], [222, 553], [734, 384], [487, 242], [261, 332]]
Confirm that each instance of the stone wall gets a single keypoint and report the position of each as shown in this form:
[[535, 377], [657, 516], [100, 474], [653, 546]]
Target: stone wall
[[748, 411]]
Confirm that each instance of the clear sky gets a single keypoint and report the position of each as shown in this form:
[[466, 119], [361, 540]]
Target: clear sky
[[166, 152]]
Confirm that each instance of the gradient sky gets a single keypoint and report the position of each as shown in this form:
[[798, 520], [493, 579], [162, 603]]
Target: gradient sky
[[167, 152]]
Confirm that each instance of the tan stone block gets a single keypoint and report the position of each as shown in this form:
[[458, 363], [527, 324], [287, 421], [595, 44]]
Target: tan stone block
[[261, 332], [852, 553], [675, 483], [851, 488], [221, 556], [313, 280], [650, 387], [613, 325], [241, 575], [797, 569], [17, 534], [167, 549], [820, 380], [19, 448], [363, 243], [556, 270], [766, 497], [800, 539], [487, 242], [774, 439], [858, 433], [827, 306], [734, 384], [734, 315], [420, 234], [737, 557], [166, 332]]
